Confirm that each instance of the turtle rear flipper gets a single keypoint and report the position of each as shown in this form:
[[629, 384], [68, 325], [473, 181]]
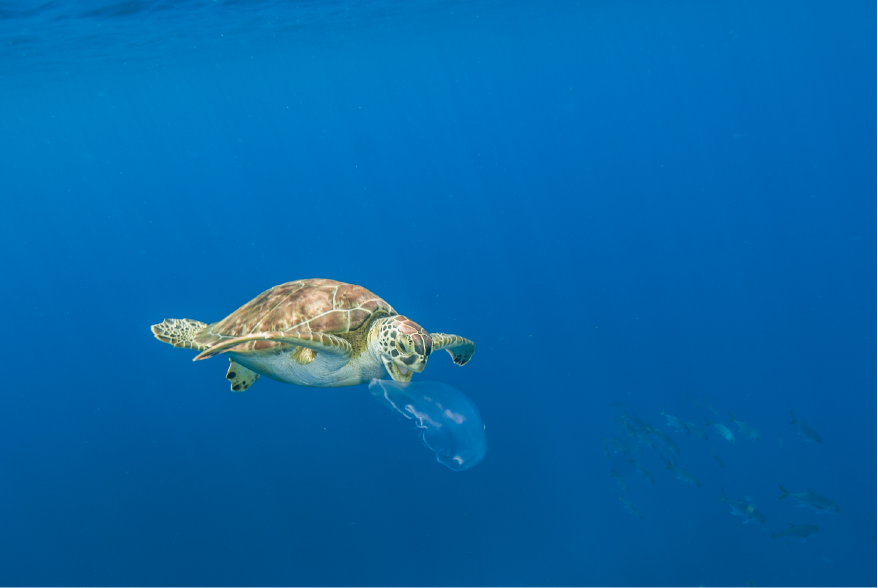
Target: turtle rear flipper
[[179, 333], [240, 377]]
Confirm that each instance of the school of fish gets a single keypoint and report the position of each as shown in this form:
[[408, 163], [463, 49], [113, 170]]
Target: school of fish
[[635, 435]]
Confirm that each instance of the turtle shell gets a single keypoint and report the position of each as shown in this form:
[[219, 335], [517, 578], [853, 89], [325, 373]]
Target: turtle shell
[[316, 305]]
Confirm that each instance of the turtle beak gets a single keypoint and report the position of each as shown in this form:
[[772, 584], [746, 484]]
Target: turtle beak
[[399, 374], [413, 363], [417, 366]]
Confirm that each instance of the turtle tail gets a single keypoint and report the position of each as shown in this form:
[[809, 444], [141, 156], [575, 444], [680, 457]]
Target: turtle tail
[[179, 333]]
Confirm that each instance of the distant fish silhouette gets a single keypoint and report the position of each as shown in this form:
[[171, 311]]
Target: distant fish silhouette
[[743, 427], [669, 443], [643, 471], [703, 404], [696, 431], [807, 431], [795, 531], [605, 447], [722, 430], [681, 473], [629, 506], [811, 500], [622, 483], [675, 422], [742, 509]]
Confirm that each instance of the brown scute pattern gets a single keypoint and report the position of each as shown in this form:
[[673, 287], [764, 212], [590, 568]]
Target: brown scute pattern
[[460, 349], [329, 321], [359, 316], [179, 333], [304, 306]]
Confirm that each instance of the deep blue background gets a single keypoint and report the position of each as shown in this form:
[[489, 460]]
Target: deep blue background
[[630, 201]]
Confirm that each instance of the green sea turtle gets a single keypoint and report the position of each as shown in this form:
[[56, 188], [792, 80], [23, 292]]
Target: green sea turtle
[[314, 333]]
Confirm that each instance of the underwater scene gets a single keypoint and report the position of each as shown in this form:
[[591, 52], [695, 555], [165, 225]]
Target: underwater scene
[[459, 293]]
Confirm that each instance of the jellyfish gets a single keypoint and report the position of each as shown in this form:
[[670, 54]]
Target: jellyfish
[[449, 421]]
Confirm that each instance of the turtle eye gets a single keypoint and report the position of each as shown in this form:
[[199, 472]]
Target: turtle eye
[[404, 343]]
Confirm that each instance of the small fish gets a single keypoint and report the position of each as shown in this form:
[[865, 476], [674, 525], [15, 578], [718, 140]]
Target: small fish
[[686, 477], [807, 431], [613, 444], [619, 446], [675, 423], [643, 471], [671, 458], [605, 448], [615, 404], [638, 422], [669, 443], [626, 425], [722, 430], [623, 445], [633, 448], [631, 508], [629, 429], [696, 431], [622, 483], [719, 461], [742, 509], [681, 473], [646, 439], [628, 447], [810, 500], [797, 532], [703, 404], [743, 427]]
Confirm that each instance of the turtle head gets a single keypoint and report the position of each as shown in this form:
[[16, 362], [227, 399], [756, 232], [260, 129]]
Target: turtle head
[[403, 346]]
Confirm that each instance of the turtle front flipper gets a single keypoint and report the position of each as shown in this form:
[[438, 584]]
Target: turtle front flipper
[[317, 341], [460, 349], [240, 377], [180, 333]]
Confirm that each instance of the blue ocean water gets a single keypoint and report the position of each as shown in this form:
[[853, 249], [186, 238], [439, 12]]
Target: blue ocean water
[[664, 205]]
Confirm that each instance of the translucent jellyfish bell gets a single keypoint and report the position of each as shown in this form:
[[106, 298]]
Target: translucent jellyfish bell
[[448, 420]]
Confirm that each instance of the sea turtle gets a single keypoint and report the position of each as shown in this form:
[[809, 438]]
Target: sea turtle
[[314, 333]]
